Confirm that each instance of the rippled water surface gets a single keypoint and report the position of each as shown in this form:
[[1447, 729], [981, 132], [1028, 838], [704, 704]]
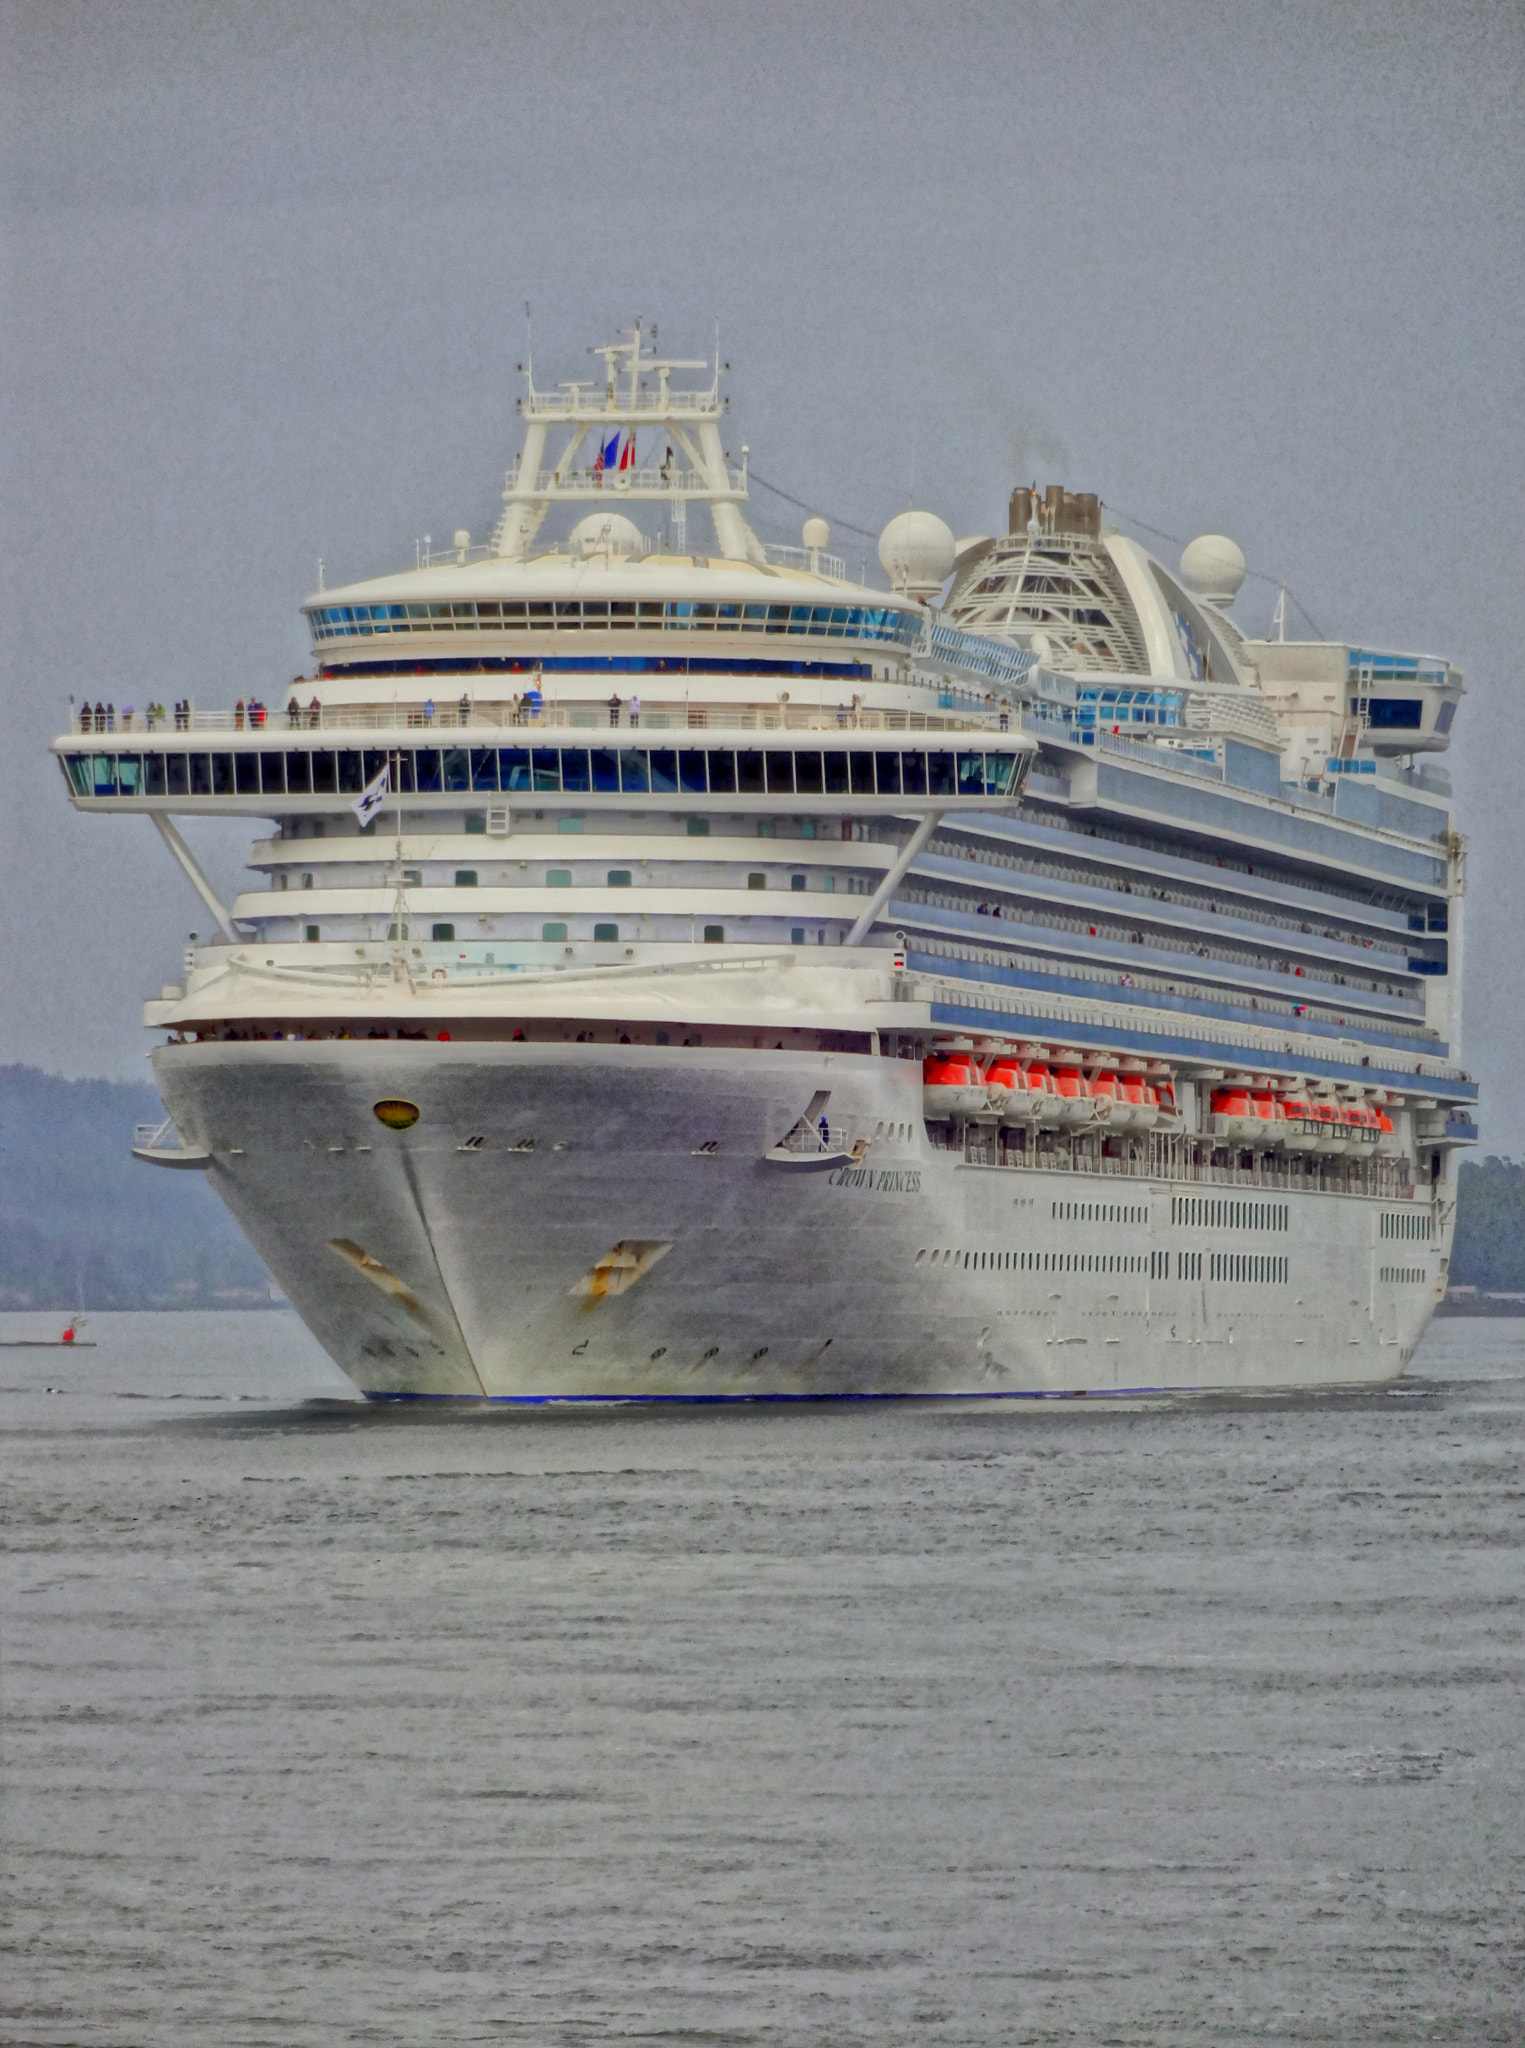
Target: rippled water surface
[[1057, 1723]]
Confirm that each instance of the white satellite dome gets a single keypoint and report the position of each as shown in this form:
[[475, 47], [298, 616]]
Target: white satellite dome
[[1212, 567], [917, 552], [815, 533], [605, 533]]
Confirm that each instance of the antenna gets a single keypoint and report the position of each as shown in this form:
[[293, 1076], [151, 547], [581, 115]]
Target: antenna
[[529, 346], [1279, 616]]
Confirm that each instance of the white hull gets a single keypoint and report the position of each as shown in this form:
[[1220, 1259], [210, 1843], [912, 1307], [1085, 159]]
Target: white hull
[[620, 1258]]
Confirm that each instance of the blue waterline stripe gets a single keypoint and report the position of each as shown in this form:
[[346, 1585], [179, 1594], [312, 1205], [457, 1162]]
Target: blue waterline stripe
[[1098, 1393]]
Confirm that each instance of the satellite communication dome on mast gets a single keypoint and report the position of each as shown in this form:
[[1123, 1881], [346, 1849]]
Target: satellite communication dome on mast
[[916, 551], [605, 533], [815, 533], [1212, 567]]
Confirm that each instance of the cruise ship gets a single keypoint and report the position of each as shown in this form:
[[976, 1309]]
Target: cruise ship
[[674, 968]]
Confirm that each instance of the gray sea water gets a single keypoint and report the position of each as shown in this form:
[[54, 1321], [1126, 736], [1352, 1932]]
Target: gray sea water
[[1192, 1722]]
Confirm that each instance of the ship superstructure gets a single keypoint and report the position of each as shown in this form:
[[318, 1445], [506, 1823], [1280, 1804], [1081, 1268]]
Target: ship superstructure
[[676, 973]]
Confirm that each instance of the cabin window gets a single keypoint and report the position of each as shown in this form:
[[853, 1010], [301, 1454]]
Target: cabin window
[[311, 934], [619, 878], [698, 828], [796, 882], [442, 932], [413, 878], [797, 935], [558, 878], [757, 881], [606, 934], [553, 931], [465, 878], [714, 935]]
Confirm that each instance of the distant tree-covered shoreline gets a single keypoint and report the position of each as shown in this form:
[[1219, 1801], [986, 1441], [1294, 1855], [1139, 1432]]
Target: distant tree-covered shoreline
[[85, 1225]]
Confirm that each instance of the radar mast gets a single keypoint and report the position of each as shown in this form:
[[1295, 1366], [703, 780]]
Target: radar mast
[[600, 462]]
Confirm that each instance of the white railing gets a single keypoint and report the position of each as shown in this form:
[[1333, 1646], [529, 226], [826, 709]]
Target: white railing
[[814, 559], [588, 403], [684, 483], [502, 715]]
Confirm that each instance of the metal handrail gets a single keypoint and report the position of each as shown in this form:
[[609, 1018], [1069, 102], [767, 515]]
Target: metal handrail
[[499, 715]]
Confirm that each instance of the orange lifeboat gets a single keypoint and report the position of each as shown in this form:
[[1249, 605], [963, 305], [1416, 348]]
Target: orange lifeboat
[[1077, 1105], [1109, 1095], [1050, 1106], [951, 1085], [1233, 1115], [1165, 1104], [1270, 1115], [1329, 1127], [1362, 1128], [1299, 1130], [1011, 1092], [1140, 1104]]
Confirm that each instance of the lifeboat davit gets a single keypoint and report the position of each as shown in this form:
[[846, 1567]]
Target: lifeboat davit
[[951, 1085], [1169, 1116], [1012, 1092]]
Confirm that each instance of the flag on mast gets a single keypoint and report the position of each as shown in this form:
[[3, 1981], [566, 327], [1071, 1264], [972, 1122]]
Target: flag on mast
[[373, 796]]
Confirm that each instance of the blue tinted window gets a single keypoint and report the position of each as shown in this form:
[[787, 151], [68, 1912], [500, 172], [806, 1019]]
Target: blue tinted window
[[426, 766], [691, 775], [633, 770], [1396, 714], [606, 771], [513, 767], [574, 770], [484, 767], [664, 769], [547, 768]]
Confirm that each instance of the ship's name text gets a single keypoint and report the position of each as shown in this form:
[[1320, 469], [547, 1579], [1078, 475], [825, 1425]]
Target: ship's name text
[[884, 1180]]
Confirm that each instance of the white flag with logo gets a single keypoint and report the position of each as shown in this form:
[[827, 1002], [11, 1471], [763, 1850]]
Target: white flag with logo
[[372, 797]]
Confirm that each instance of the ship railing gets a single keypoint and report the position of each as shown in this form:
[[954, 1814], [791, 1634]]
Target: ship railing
[[810, 1141], [816, 560], [612, 484], [588, 402], [1175, 1160], [502, 715]]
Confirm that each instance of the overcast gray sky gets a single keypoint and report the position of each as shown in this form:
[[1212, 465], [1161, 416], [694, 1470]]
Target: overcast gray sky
[[1256, 269]]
